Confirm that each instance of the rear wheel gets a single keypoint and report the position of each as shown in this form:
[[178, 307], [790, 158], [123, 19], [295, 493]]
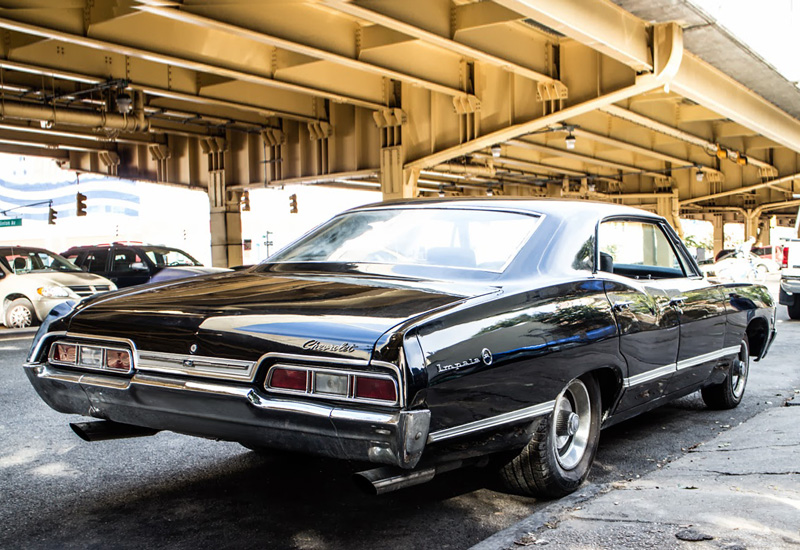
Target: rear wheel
[[794, 309], [729, 393], [20, 314], [559, 456]]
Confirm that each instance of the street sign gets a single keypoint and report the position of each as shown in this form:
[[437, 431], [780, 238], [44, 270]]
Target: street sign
[[11, 222]]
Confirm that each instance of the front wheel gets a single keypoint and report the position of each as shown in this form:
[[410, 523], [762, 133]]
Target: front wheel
[[559, 456], [20, 314], [729, 393]]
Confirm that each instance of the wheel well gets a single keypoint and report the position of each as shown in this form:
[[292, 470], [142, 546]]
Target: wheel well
[[610, 382], [11, 297], [757, 335]]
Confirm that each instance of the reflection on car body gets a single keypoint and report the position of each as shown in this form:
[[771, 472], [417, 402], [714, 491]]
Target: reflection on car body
[[420, 336]]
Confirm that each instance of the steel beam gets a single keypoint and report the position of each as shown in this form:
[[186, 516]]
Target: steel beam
[[712, 89], [446, 43], [599, 24], [171, 60], [747, 189], [303, 49]]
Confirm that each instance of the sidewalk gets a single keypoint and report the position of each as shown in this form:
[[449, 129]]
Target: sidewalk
[[739, 491]]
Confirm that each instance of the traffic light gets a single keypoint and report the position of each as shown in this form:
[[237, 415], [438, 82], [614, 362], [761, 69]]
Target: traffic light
[[51, 216], [80, 201], [245, 201], [293, 203]]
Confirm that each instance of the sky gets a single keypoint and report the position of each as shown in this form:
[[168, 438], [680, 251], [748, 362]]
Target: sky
[[768, 27]]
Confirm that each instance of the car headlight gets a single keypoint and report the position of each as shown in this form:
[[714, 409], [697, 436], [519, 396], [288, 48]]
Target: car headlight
[[53, 291]]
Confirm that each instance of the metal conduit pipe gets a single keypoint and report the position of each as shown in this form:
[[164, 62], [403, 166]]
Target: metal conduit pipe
[[29, 111]]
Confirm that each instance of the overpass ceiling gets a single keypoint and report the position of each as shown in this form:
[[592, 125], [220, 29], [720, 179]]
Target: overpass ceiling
[[407, 96]]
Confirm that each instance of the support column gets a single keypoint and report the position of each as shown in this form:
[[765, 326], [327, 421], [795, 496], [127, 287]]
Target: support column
[[226, 221], [719, 233], [396, 182], [751, 224]]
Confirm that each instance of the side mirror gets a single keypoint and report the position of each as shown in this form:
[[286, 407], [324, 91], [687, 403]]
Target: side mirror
[[138, 266]]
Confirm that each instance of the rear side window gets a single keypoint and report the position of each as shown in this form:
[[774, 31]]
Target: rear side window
[[96, 261], [638, 250]]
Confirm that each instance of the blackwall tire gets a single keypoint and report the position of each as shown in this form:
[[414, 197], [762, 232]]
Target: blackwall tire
[[729, 393], [558, 458]]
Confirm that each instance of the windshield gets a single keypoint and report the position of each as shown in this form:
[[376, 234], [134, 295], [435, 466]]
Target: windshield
[[22, 260], [169, 257], [445, 237]]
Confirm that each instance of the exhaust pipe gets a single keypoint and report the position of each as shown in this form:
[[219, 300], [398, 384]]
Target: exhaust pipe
[[106, 429], [387, 479]]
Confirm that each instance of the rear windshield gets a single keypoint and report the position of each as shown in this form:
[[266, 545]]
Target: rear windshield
[[485, 240]]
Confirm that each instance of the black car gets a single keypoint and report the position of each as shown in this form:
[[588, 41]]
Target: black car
[[128, 264], [420, 336]]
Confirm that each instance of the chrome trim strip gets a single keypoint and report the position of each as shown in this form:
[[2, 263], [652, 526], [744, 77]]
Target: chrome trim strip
[[506, 418], [680, 365], [37, 349], [196, 365], [719, 354], [649, 375]]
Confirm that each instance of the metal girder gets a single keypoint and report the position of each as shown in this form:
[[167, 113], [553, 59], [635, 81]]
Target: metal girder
[[666, 129], [374, 16], [628, 169], [773, 183], [644, 151], [597, 23], [712, 89], [296, 47], [171, 60]]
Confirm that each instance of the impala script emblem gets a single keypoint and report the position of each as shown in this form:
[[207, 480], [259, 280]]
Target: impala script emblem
[[316, 345], [486, 358]]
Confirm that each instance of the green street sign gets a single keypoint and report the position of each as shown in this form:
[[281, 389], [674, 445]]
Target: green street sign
[[11, 222]]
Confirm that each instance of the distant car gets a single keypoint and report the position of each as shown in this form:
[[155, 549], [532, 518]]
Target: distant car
[[34, 280], [127, 264], [739, 266], [420, 336], [790, 278], [771, 251]]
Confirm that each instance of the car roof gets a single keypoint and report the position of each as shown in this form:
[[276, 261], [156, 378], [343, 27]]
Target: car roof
[[561, 208]]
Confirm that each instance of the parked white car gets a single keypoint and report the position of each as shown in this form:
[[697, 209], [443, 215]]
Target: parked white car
[[33, 281], [740, 266]]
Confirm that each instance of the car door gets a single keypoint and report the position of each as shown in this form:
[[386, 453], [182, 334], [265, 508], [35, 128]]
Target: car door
[[641, 270], [127, 267], [95, 261]]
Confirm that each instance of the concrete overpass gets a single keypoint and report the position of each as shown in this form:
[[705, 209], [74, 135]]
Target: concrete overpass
[[641, 103]]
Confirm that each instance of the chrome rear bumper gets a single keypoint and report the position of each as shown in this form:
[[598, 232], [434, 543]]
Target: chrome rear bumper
[[236, 412]]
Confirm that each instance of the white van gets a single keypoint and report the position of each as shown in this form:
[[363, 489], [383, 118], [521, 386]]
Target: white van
[[33, 281]]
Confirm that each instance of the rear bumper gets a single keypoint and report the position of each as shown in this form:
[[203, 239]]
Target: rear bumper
[[236, 412], [789, 288]]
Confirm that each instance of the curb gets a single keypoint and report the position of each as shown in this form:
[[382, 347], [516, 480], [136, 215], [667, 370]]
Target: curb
[[550, 515], [17, 333]]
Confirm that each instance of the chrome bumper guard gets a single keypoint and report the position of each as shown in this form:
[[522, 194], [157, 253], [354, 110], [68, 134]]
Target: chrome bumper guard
[[236, 413]]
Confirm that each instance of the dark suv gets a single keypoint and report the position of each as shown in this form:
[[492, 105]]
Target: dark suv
[[127, 264]]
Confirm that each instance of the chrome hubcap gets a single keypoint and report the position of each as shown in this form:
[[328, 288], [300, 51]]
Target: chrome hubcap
[[571, 425], [20, 317], [739, 371]]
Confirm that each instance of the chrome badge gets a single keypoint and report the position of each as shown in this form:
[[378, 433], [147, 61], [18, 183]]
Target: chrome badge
[[486, 355], [316, 345]]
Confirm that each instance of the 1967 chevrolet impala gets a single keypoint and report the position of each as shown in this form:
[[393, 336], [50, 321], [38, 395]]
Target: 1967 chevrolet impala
[[420, 337]]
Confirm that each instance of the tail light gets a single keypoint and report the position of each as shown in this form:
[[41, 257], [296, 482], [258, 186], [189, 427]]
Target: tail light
[[333, 384], [95, 357], [785, 262], [381, 389]]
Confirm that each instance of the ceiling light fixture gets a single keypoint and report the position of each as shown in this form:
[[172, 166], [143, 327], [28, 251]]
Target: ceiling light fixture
[[699, 175], [569, 141], [124, 103], [489, 192], [496, 150]]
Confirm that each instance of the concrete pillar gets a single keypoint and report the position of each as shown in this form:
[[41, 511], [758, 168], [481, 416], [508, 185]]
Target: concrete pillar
[[719, 233], [751, 225], [226, 221]]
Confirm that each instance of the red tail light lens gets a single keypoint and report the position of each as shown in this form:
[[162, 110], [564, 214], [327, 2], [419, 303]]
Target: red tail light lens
[[118, 359], [289, 379], [66, 353], [381, 389], [785, 261]]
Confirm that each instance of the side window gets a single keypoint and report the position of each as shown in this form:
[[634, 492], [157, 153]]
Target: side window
[[124, 260], [638, 250], [96, 261]]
